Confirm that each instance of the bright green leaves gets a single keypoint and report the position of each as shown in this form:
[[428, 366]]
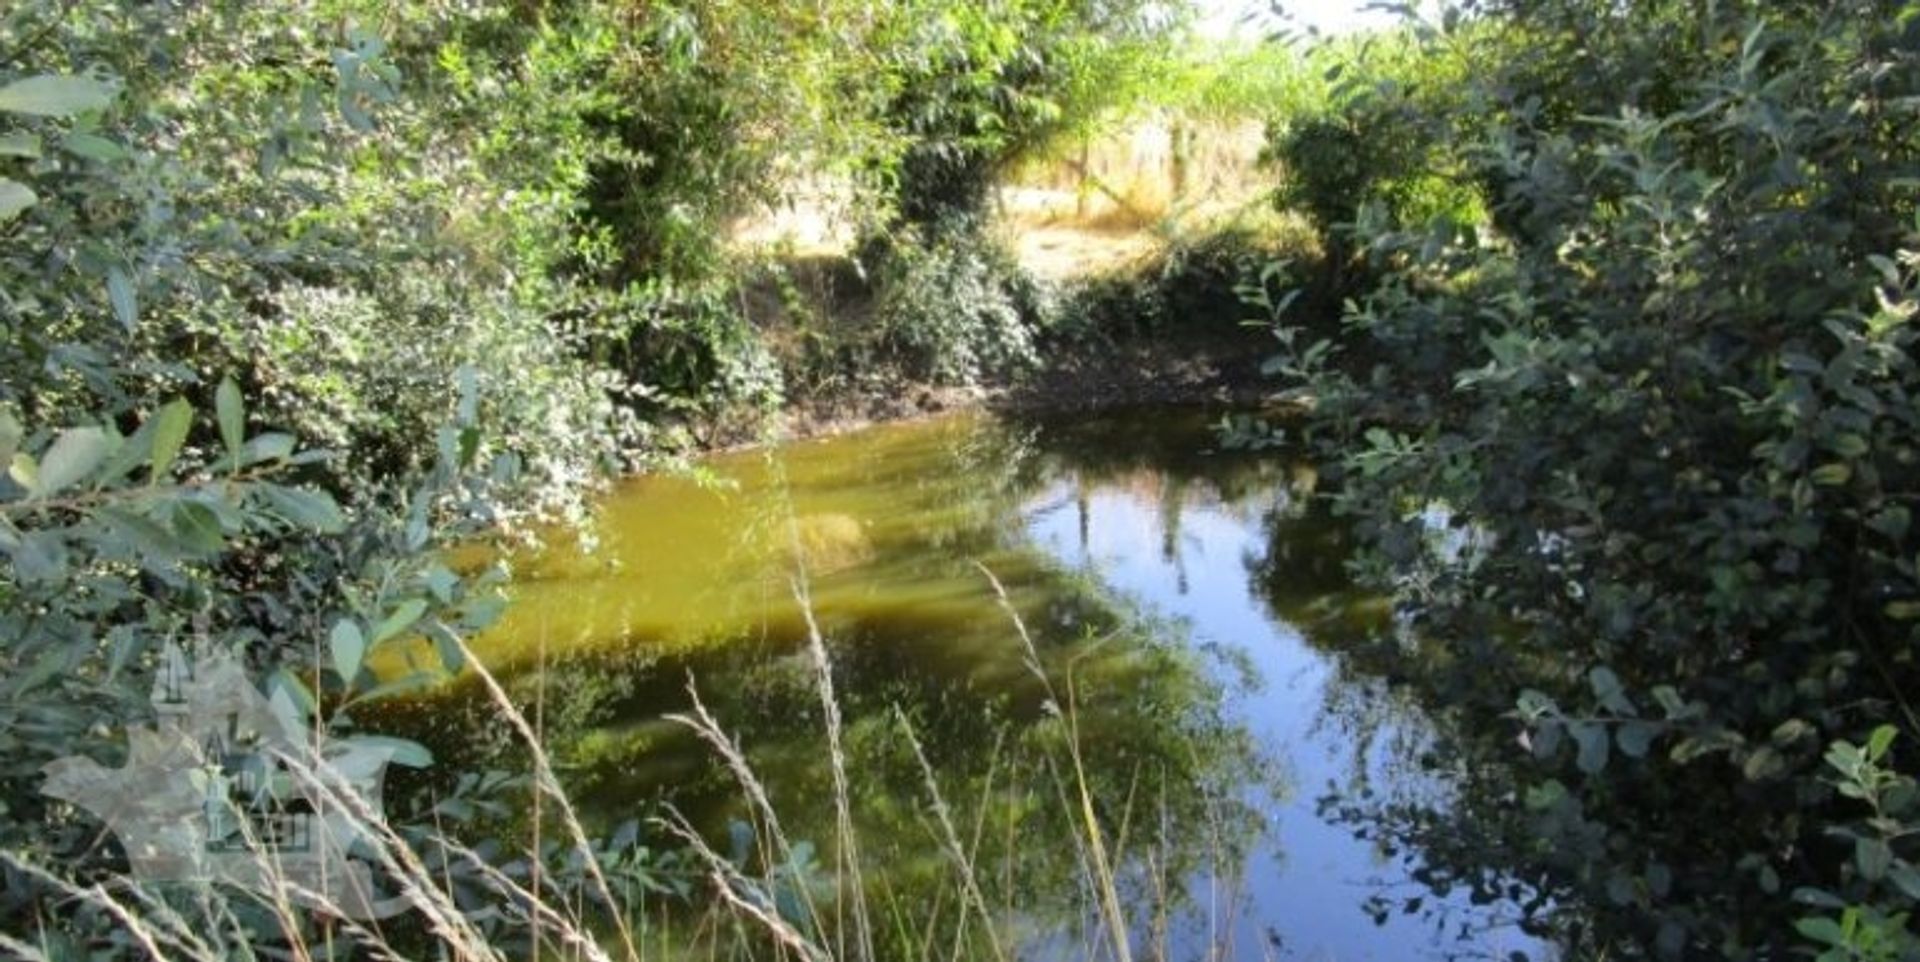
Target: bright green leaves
[[1860, 932], [1763, 763], [171, 424], [231, 413], [1862, 775], [55, 96], [197, 527]]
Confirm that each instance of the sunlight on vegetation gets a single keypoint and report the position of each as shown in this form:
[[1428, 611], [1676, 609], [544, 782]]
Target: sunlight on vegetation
[[1501, 503]]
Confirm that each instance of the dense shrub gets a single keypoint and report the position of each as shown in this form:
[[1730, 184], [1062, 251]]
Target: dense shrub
[[1377, 152], [981, 84], [1193, 286], [1670, 415], [956, 310]]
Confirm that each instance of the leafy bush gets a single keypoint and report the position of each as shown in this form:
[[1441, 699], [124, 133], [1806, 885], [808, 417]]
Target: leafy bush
[[1190, 287], [956, 310], [976, 85], [1376, 153], [219, 194], [694, 357], [1672, 411]]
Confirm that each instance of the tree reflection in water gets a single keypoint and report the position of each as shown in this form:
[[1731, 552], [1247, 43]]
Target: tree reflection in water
[[1190, 604]]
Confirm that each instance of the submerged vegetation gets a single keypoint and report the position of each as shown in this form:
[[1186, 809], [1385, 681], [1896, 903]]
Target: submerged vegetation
[[327, 329]]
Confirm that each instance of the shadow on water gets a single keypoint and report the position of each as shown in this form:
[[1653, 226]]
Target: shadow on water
[[1191, 602]]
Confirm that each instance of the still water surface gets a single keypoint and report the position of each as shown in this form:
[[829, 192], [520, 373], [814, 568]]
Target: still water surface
[[1190, 620]]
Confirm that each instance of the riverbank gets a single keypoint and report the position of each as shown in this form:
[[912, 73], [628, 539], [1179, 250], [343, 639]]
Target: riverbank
[[1220, 368]]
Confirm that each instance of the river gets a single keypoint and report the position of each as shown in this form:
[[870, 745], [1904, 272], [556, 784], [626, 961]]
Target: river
[[1187, 674]]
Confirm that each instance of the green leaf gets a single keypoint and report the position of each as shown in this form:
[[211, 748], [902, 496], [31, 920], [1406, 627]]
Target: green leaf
[[55, 96], [232, 414], [1806, 895], [1635, 737], [14, 198], [442, 582], [1832, 475], [1892, 521], [400, 751], [19, 144], [272, 446], [349, 649], [73, 456], [1873, 857], [49, 664], [171, 424], [469, 406], [1877, 743], [1705, 743], [1607, 688], [93, 147], [24, 471], [1903, 610], [447, 646], [1763, 763], [1536, 704], [400, 620], [11, 433], [1670, 940], [120, 293], [305, 508], [198, 527], [1670, 700], [1821, 929], [151, 540], [284, 680], [1593, 741], [128, 453], [1907, 879], [1659, 879], [1792, 730]]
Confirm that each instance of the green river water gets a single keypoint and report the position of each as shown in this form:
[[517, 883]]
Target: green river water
[[1190, 620]]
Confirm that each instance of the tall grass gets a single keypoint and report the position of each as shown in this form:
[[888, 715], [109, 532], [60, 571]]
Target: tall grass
[[743, 918]]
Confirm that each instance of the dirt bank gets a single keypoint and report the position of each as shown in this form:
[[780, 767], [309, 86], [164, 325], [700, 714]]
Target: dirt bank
[[1218, 368]]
